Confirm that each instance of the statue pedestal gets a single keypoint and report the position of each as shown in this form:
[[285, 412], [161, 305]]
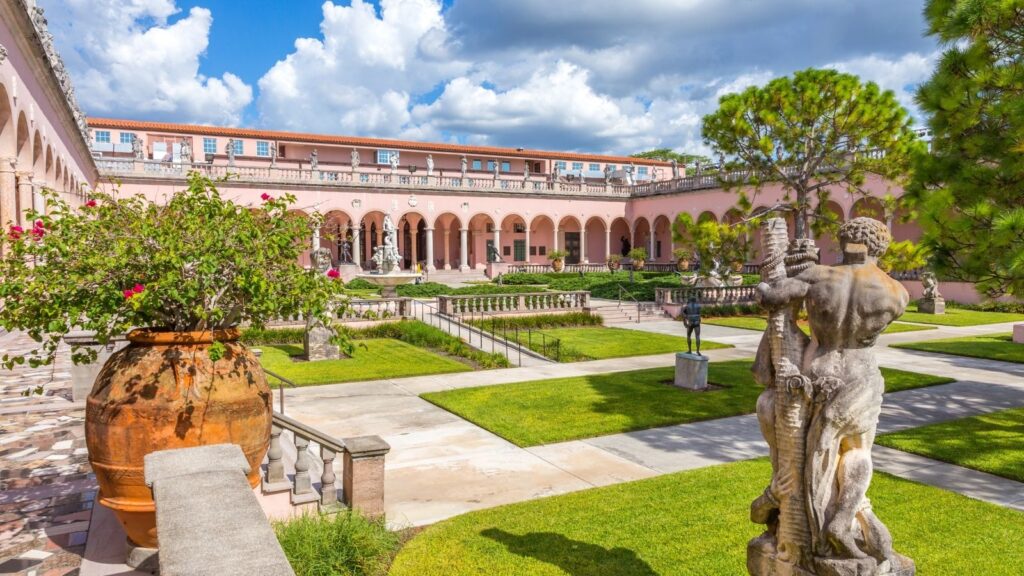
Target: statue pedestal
[[495, 268], [691, 371], [1018, 333], [932, 305], [317, 343]]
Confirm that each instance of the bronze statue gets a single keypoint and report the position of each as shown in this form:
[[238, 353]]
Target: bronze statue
[[691, 319]]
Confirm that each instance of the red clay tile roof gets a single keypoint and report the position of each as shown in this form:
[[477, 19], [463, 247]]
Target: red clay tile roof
[[362, 141]]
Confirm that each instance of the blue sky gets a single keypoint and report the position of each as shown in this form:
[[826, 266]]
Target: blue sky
[[592, 75]]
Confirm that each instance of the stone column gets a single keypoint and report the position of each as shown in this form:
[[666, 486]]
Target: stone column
[[8, 193], [607, 242], [527, 244], [357, 247], [463, 249], [447, 248], [363, 474], [650, 247], [38, 201], [583, 245], [430, 249], [555, 241], [497, 241], [414, 238], [24, 195]]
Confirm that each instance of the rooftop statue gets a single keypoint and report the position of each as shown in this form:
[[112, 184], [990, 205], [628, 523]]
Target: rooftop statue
[[229, 149], [355, 159], [186, 150], [273, 154], [675, 168], [314, 160], [820, 407], [393, 161], [464, 163], [430, 164], [138, 151]]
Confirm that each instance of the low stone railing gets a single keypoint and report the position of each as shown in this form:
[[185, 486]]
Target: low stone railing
[[526, 303], [358, 310], [362, 468], [545, 268], [707, 296]]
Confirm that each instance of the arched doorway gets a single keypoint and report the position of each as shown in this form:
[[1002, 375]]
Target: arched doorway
[[571, 241]]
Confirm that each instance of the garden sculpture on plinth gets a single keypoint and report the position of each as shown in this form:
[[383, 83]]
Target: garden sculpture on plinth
[[386, 257], [229, 149], [691, 319], [820, 408], [931, 301], [492, 254]]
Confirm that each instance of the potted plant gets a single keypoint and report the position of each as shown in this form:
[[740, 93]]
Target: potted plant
[[179, 279], [614, 262], [682, 256], [557, 258], [639, 258]]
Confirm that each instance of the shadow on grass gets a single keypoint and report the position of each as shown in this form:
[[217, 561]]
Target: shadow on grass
[[572, 556]]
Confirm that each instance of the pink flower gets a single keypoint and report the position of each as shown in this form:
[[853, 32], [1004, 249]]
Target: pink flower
[[90, 204], [38, 230], [332, 273], [266, 197], [128, 294], [138, 288], [16, 232]]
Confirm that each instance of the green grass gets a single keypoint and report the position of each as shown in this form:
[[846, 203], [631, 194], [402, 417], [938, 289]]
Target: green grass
[[342, 544], [598, 342], [695, 523], [991, 443], [991, 347], [959, 317], [547, 411], [759, 323], [373, 359]]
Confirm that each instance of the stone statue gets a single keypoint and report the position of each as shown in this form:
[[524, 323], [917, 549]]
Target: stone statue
[[229, 149], [607, 173], [137, 149], [273, 154], [555, 172], [186, 151], [430, 164], [675, 169], [820, 407], [314, 160], [346, 251], [691, 319], [386, 257], [526, 170], [698, 168], [626, 247], [631, 174], [355, 159], [931, 301], [497, 168], [655, 173], [464, 164], [393, 161], [492, 254]]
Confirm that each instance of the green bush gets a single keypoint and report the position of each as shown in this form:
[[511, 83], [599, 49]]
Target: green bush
[[524, 278], [569, 319], [360, 284], [267, 336], [342, 544]]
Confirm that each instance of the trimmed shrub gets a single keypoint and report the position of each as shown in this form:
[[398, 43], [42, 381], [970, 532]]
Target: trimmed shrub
[[360, 284], [343, 544], [539, 321], [269, 336], [990, 306]]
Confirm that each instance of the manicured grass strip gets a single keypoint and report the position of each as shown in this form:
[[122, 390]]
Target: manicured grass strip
[[759, 323], [372, 359], [896, 380], [959, 317], [991, 443], [345, 543], [991, 347], [547, 411], [598, 342], [695, 523]]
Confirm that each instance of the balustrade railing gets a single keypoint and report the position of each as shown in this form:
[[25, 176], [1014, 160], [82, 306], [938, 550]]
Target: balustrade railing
[[360, 310], [532, 302], [717, 295]]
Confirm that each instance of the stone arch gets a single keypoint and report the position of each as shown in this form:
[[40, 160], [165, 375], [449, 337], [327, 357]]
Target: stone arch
[[707, 216], [447, 241], [902, 229], [542, 237], [827, 242], [335, 231], [515, 237], [412, 238], [732, 216], [642, 234], [597, 243], [38, 158], [371, 235], [8, 132], [58, 174], [662, 239], [570, 238], [622, 235], [49, 173], [481, 230], [868, 206]]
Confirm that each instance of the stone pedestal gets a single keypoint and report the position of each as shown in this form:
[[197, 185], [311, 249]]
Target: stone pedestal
[[363, 474], [317, 343], [1018, 333], [931, 305], [83, 376], [691, 371], [495, 268]]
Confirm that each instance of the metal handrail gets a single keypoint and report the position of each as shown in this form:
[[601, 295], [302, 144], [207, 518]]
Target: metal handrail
[[309, 433], [631, 297], [494, 318], [280, 388], [470, 329]]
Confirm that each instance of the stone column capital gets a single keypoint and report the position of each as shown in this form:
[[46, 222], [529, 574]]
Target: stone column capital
[[24, 176], [8, 164]]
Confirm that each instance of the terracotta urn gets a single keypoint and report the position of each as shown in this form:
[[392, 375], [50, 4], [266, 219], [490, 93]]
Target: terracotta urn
[[683, 265], [638, 265], [557, 265], [737, 266], [163, 391], [614, 265]]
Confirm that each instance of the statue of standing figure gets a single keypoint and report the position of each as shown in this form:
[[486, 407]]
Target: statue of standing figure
[[346, 251], [655, 173], [230, 151], [526, 170], [631, 174], [607, 173], [497, 167], [273, 154], [355, 159], [820, 407], [137, 149], [430, 164], [464, 163], [186, 151], [314, 160], [393, 161], [675, 169], [691, 319]]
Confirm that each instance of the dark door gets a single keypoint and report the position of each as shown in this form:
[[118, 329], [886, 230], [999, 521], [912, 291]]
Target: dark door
[[572, 247]]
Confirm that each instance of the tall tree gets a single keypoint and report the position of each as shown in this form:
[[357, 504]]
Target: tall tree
[[814, 132], [969, 192]]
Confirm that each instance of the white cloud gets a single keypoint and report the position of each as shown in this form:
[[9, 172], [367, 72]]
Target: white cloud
[[360, 77], [128, 59], [901, 75]]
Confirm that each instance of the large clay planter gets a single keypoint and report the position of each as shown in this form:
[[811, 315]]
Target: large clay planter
[[557, 265], [614, 265], [163, 391], [683, 265], [638, 265]]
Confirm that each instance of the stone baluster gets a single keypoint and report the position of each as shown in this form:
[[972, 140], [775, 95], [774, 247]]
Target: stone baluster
[[275, 466], [328, 490], [303, 487]]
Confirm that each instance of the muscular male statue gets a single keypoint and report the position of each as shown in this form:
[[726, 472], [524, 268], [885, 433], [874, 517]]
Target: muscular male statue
[[691, 319], [837, 387]]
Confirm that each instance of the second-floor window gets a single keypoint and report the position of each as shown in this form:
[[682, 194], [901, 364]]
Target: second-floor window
[[642, 171], [594, 168], [262, 148], [506, 166], [239, 147], [103, 136], [577, 165], [560, 165], [611, 167], [384, 156], [126, 137], [477, 165], [209, 145], [490, 165]]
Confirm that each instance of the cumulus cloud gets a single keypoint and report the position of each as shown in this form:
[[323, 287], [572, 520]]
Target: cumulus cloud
[[129, 59], [360, 77], [901, 75]]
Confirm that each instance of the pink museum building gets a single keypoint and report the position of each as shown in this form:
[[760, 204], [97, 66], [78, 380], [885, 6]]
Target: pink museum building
[[450, 202]]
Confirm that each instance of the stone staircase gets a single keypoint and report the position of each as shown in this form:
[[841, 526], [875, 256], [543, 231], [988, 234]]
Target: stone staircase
[[625, 312]]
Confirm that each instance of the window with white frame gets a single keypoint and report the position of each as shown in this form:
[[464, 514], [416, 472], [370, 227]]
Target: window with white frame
[[577, 166], [239, 148], [262, 148], [560, 165], [490, 165], [642, 171], [594, 168], [209, 145], [103, 136], [384, 156], [506, 166], [477, 165], [611, 168], [127, 137]]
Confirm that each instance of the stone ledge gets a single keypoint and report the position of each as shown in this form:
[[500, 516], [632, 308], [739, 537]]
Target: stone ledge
[[168, 464], [366, 446]]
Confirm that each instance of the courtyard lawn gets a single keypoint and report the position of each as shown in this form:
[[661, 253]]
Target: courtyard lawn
[[372, 359], [696, 523], [990, 442], [759, 323], [548, 411], [597, 342], [959, 317], [991, 347]]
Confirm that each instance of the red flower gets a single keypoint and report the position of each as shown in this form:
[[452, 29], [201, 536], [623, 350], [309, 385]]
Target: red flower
[[266, 197], [138, 288], [90, 204], [332, 273], [16, 232], [128, 294], [38, 230]]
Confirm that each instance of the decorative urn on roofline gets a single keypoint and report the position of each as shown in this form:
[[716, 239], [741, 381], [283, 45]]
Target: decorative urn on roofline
[[179, 279]]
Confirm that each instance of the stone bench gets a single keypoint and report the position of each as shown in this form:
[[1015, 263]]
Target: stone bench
[[207, 517]]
